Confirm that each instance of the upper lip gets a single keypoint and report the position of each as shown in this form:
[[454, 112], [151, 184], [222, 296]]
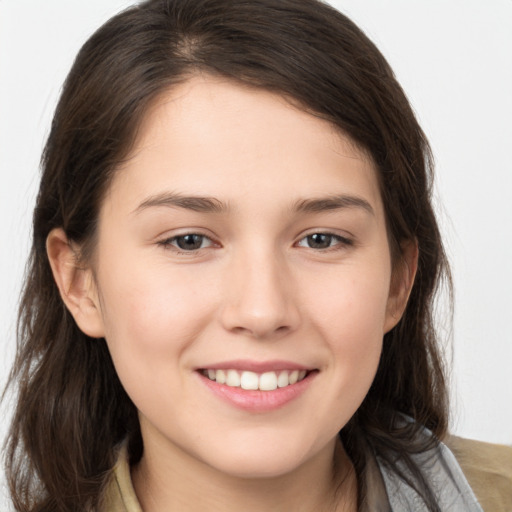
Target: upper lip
[[255, 366]]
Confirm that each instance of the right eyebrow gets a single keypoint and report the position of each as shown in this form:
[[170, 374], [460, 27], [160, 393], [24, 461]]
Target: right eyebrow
[[203, 204]]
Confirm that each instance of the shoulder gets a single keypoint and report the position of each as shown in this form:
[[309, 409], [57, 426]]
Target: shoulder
[[488, 469]]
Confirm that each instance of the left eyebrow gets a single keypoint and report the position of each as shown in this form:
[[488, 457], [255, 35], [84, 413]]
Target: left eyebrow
[[338, 202]]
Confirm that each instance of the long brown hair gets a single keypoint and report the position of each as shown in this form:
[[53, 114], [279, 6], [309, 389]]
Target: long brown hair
[[71, 410]]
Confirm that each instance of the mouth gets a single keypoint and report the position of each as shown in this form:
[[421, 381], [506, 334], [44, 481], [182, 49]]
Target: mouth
[[257, 386], [255, 381]]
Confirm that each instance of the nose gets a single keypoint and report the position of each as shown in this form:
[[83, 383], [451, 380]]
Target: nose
[[260, 300]]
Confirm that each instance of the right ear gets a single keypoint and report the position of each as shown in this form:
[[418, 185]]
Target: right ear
[[75, 283]]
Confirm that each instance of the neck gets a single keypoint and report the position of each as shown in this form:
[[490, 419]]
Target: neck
[[327, 482]]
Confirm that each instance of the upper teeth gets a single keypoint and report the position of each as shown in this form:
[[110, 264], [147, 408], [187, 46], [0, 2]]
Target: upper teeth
[[267, 381]]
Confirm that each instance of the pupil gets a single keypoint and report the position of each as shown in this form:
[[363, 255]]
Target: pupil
[[319, 241], [189, 242]]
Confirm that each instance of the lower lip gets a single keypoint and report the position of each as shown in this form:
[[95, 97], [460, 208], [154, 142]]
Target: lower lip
[[255, 400]]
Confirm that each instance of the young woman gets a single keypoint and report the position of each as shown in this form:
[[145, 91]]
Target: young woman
[[229, 301]]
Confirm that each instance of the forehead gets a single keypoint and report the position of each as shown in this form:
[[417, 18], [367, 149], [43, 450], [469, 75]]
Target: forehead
[[211, 136]]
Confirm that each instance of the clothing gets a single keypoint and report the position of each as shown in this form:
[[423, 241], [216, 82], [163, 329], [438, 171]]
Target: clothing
[[488, 469], [445, 477], [458, 470]]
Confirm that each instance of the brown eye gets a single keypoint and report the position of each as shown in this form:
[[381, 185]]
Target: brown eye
[[188, 242], [319, 241], [324, 241]]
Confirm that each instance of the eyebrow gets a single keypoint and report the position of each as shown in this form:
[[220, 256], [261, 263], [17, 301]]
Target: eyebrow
[[214, 205], [173, 200], [336, 202]]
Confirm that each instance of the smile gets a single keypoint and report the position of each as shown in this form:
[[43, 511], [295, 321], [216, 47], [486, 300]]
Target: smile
[[248, 380]]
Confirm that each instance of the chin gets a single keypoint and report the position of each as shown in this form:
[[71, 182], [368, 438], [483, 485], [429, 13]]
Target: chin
[[257, 468], [261, 459]]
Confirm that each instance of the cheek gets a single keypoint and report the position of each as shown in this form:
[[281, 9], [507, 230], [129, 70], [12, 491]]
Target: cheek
[[151, 319], [352, 305], [150, 312], [351, 316]]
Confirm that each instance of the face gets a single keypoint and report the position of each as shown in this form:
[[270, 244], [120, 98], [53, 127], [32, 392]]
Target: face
[[243, 278]]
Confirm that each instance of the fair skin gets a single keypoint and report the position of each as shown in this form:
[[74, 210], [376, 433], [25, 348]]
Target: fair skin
[[241, 235]]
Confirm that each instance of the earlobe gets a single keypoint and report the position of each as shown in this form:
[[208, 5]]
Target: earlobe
[[402, 281], [76, 284]]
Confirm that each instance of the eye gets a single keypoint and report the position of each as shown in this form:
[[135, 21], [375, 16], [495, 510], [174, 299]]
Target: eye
[[323, 241], [188, 242]]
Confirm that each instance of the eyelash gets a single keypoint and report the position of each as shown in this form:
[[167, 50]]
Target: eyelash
[[172, 243], [341, 242]]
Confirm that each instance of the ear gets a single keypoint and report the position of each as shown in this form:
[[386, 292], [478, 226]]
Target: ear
[[402, 280], [75, 283]]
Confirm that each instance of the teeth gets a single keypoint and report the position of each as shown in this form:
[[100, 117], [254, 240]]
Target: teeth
[[220, 376], [233, 378], [249, 380], [283, 380], [267, 381]]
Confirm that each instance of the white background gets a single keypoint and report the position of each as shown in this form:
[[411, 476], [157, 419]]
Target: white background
[[454, 60]]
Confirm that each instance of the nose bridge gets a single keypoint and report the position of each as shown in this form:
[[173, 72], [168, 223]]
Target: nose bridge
[[260, 301]]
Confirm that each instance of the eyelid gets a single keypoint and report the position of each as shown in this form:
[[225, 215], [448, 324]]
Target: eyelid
[[344, 240], [167, 242]]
